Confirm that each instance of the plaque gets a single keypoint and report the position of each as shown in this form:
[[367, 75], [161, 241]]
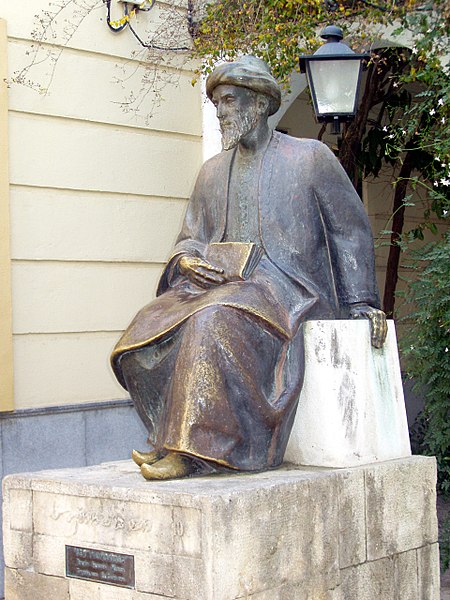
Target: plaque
[[100, 566]]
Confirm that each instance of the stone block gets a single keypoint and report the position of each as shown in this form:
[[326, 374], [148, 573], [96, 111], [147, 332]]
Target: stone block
[[352, 518], [428, 572], [82, 590], [369, 581], [273, 534], [27, 585], [18, 549], [103, 521], [49, 554], [18, 525], [272, 594], [351, 409], [20, 518], [155, 574], [187, 530], [291, 533], [405, 576], [168, 575], [85, 590], [400, 506], [315, 589]]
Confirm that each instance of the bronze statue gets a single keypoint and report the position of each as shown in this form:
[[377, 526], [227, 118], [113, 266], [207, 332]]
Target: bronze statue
[[274, 234]]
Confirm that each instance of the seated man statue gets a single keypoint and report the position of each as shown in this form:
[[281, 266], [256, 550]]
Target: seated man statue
[[274, 234]]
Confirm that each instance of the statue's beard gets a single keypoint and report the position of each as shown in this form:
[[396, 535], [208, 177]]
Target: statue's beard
[[234, 130]]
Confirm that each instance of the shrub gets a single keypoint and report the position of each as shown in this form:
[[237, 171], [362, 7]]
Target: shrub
[[426, 349]]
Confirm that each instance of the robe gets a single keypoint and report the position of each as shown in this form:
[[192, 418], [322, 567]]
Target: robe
[[216, 374]]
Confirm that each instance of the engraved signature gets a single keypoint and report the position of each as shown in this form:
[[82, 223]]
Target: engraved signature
[[109, 520]]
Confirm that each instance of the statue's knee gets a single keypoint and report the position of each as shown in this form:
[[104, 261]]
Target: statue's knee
[[212, 318]]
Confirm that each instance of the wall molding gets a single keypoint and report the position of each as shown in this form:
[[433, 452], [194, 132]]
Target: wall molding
[[64, 408]]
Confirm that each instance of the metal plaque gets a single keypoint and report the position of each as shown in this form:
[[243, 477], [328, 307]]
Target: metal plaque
[[100, 566]]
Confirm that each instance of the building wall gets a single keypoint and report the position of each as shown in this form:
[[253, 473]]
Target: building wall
[[96, 198]]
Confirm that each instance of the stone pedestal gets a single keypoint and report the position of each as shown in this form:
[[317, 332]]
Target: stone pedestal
[[359, 533], [351, 409]]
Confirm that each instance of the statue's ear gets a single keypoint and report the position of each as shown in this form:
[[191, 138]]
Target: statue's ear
[[262, 104]]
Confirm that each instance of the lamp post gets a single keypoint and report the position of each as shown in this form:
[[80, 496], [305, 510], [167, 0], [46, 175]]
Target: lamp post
[[334, 74]]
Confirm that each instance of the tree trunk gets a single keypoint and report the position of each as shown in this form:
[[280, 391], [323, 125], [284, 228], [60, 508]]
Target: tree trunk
[[398, 211]]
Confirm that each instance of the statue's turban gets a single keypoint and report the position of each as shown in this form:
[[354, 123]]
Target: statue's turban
[[249, 72]]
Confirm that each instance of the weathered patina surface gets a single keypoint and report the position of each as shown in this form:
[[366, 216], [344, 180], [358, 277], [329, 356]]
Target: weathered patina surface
[[215, 366]]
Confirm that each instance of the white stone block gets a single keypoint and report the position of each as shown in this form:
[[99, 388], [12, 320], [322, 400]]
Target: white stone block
[[351, 409]]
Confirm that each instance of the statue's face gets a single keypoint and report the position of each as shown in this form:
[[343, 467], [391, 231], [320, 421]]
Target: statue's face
[[237, 111]]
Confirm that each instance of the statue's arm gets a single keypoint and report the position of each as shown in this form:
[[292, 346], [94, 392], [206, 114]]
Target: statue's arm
[[349, 236], [378, 323], [187, 258], [350, 243]]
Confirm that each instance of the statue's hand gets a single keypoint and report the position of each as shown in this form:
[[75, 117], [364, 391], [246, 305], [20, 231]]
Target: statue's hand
[[378, 324], [200, 271]]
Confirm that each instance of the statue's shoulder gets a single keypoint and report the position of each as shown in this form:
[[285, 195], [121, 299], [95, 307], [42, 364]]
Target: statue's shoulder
[[301, 151], [217, 159], [303, 145], [216, 163]]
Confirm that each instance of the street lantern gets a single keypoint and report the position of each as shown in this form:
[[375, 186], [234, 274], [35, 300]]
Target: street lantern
[[334, 73]]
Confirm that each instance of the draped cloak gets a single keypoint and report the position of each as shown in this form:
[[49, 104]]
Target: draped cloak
[[216, 373]]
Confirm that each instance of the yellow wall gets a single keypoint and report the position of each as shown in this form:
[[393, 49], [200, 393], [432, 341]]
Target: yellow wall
[[97, 197], [6, 347]]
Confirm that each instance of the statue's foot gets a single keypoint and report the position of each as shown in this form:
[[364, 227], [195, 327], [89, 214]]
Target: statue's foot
[[147, 458], [172, 466]]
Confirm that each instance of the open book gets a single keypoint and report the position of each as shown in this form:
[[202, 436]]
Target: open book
[[237, 259]]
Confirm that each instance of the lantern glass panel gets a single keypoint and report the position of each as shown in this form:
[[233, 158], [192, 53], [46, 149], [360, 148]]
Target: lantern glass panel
[[335, 85]]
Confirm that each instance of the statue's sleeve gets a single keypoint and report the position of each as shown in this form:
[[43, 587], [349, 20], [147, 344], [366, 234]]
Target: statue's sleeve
[[192, 237], [348, 231]]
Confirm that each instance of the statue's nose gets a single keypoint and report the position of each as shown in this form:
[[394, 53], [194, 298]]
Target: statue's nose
[[220, 110]]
